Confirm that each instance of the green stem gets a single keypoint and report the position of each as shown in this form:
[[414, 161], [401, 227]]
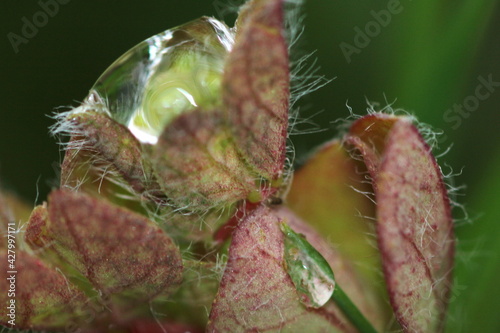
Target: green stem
[[351, 311]]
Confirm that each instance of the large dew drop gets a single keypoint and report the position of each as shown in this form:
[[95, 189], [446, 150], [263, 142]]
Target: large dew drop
[[168, 74], [310, 272]]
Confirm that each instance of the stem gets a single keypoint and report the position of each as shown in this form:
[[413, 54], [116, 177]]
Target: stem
[[351, 311]]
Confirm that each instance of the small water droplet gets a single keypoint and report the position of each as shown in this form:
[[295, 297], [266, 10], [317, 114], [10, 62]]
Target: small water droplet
[[164, 76], [310, 272]]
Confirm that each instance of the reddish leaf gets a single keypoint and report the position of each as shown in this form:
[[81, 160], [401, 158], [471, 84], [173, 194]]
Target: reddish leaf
[[95, 238], [256, 293], [86, 171], [256, 87], [198, 165], [414, 220], [43, 297], [100, 139]]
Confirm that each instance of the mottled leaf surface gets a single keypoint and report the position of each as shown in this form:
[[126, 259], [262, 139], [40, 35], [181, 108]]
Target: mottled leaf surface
[[256, 87], [85, 171], [197, 163], [44, 298], [121, 253], [100, 137], [414, 227], [256, 293]]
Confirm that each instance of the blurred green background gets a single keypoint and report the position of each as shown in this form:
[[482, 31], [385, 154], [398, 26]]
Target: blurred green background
[[429, 57]]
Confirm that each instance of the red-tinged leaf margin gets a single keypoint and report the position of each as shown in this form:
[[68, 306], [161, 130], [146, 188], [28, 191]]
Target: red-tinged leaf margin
[[256, 87], [415, 229]]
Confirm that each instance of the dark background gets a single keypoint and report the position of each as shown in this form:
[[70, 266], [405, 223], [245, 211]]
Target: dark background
[[425, 60]]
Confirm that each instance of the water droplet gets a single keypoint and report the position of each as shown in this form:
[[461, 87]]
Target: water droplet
[[164, 76], [310, 272]]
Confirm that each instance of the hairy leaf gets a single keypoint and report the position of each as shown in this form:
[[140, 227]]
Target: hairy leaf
[[92, 236], [198, 165], [414, 226], [152, 326], [256, 87], [110, 141], [256, 293]]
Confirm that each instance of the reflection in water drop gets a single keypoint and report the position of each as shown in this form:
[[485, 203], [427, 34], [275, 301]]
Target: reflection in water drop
[[164, 76], [310, 272]]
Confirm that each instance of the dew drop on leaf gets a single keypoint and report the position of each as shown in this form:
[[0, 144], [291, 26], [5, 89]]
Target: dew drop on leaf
[[164, 76], [310, 272]]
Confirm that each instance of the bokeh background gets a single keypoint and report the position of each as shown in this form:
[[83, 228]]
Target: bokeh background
[[427, 58]]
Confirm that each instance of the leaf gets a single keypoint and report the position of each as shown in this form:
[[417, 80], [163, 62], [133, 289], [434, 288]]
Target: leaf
[[198, 165], [256, 87], [122, 254], [327, 192], [110, 141], [44, 298], [207, 158], [256, 293], [415, 230]]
